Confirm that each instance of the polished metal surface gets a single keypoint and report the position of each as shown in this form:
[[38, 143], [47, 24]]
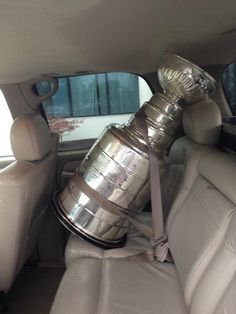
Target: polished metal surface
[[117, 166], [184, 79], [163, 115]]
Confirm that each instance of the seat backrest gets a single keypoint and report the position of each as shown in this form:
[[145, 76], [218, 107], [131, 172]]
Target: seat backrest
[[218, 282], [196, 229], [201, 224], [25, 189], [202, 124]]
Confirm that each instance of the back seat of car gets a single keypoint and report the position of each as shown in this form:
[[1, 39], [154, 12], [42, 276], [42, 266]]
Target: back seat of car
[[202, 123], [202, 240], [201, 230]]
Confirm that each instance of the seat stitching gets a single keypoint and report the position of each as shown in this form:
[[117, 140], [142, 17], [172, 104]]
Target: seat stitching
[[218, 240], [224, 293], [226, 245], [205, 210], [100, 287]]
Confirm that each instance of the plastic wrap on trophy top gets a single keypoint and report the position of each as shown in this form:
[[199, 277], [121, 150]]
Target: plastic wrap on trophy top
[[117, 166]]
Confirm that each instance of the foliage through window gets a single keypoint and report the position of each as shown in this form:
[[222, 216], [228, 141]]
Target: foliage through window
[[229, 85], [84, 105]]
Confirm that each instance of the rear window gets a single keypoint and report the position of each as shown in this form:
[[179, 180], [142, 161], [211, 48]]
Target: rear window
[[229, 85], [5, 127], [85, 104]]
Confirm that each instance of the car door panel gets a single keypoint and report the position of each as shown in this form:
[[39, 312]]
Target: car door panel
[[4, 162], [68, 162]]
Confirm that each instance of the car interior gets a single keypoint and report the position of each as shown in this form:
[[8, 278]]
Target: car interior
[[78, 80]]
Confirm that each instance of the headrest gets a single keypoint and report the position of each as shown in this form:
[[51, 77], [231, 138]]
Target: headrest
[[30, 137], [202, 122]]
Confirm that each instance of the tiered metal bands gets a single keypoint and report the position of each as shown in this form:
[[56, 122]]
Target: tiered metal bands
[[117, 166]]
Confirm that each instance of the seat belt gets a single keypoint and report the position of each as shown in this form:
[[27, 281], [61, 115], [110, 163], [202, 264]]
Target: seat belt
[[159, 238], [156, 235]]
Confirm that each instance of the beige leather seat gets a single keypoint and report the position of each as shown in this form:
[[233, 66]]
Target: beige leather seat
[[25, 189], [202, 124], [202, 239]]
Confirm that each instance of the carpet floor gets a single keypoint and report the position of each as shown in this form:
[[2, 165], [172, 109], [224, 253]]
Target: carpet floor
[[34, 290]]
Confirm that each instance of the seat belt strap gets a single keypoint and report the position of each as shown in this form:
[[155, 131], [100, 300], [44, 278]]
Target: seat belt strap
[[159, 239]]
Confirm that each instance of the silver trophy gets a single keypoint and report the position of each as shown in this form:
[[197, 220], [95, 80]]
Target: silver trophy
[[117, 166]]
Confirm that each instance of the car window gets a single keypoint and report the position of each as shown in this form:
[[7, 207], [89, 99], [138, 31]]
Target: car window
[[229, 85], [85, 104], [5, 126]]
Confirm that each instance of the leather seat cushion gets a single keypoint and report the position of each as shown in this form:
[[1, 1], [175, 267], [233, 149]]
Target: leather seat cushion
[[136, 242], [78, 248], [113, 286]]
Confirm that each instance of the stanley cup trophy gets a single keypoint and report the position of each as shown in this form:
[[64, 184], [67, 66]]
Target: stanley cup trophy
[[117, 166]]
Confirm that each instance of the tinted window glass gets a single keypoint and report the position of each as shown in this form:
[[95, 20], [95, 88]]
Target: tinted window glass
[[229, 85], [84, 105], [92, 95]]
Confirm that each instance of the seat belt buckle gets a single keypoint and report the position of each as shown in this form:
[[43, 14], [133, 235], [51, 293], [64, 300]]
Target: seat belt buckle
[[160, 249], [161, 252]]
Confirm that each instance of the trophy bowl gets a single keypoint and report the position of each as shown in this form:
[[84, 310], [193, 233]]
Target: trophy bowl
[[180, 77]]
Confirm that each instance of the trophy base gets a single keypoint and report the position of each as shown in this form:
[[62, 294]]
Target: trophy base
[[81, 233]]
